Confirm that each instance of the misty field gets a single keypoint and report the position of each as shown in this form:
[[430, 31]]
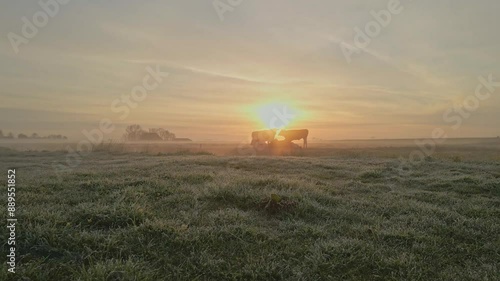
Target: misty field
[[338, 214]]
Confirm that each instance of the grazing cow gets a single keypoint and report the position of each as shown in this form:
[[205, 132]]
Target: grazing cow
[[264, 136], [291, 135]]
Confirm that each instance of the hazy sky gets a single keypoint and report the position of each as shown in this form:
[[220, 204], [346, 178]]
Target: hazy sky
[[427, 59]]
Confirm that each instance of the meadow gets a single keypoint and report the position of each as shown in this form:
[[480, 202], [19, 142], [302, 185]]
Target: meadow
[[338, 211]]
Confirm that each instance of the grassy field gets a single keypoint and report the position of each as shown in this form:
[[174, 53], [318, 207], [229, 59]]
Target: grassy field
[[331, 214]]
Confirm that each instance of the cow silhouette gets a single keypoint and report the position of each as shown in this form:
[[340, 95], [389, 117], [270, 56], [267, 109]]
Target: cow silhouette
[[265, 137], [291, 135]]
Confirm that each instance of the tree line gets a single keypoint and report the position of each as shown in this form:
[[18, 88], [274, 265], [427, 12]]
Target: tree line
[[32, 136], [137, 133]]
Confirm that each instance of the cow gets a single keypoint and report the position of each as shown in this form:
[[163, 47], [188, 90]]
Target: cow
[[268, 136], [263, 137], [291, 135]]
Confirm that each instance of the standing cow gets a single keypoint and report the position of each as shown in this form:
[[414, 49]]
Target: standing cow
[[266, 137], [291, 135], [263, 137]]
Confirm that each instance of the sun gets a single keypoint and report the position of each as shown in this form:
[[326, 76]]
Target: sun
[[276, 114]]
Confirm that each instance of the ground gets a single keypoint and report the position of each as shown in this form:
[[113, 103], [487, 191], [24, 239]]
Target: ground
[[352, 214]]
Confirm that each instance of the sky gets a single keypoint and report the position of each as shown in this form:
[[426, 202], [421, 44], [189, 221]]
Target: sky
[[225, 67]]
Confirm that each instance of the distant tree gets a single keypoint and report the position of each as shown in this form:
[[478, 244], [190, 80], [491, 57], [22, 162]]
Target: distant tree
[[133, 132], [22, 136], [165, 134], [35, 136], [1, 134], [10, 136], [55, 137]]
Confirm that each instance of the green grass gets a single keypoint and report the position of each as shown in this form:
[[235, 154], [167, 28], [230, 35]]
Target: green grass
[[202, 217]]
